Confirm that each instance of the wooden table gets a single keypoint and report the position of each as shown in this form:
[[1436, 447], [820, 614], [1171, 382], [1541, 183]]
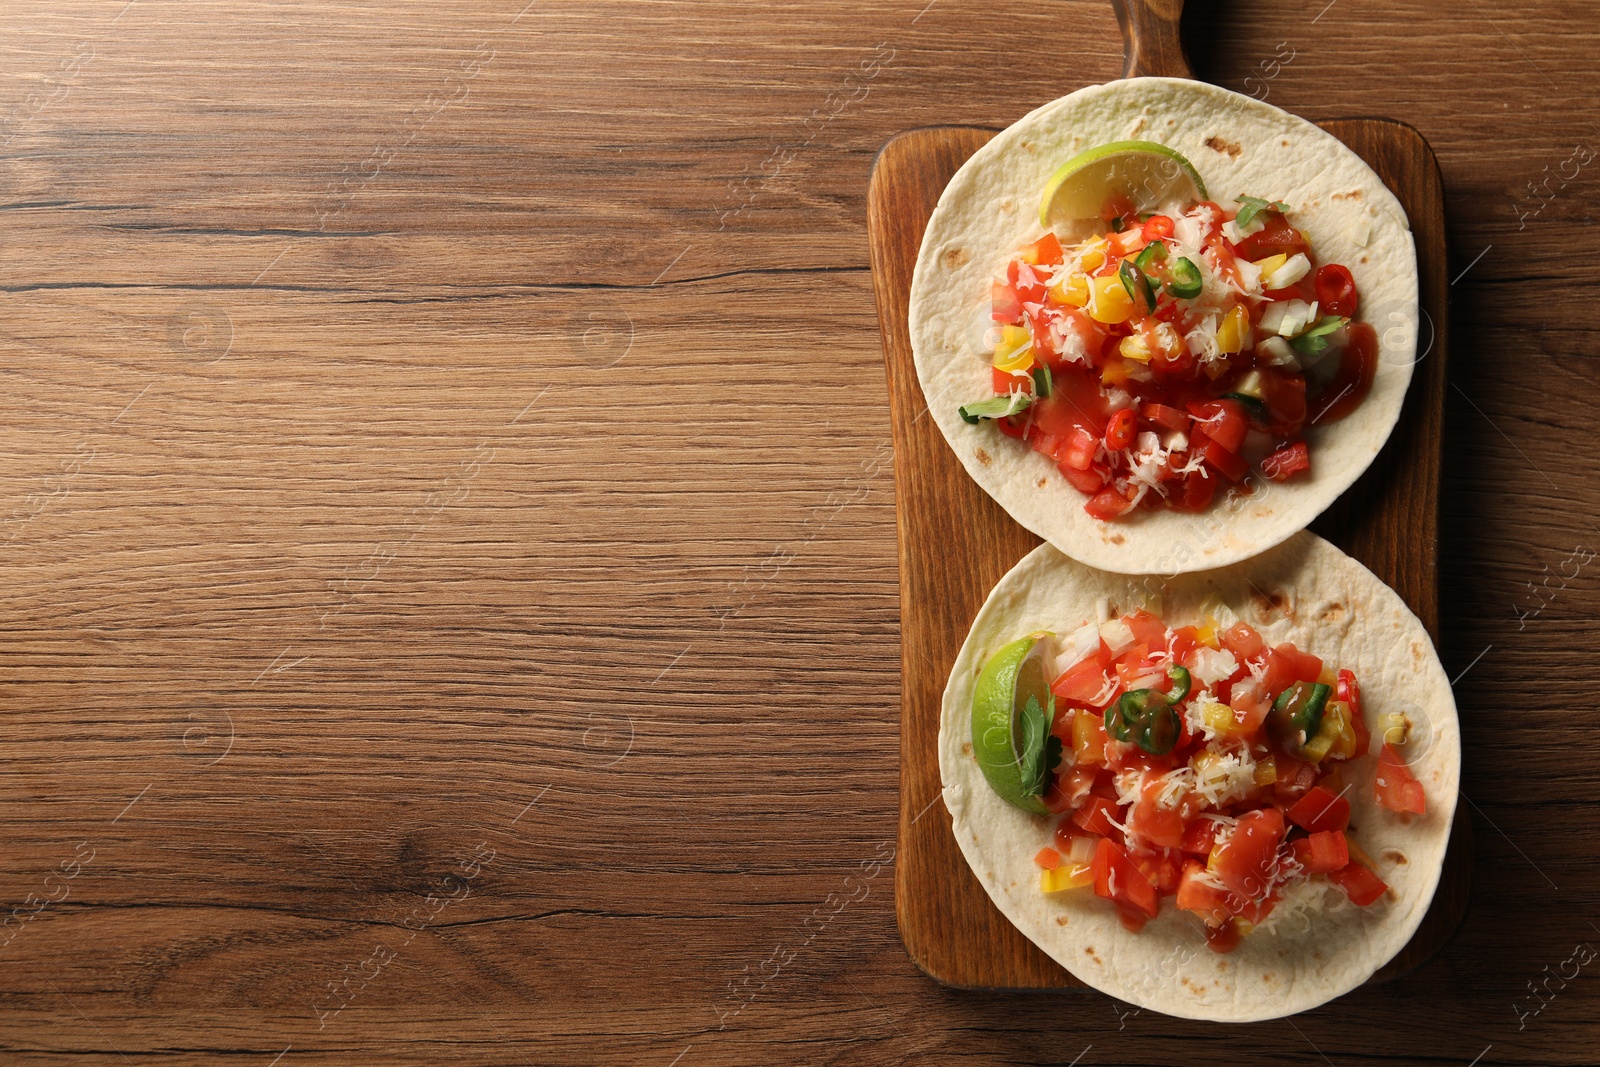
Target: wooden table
[[448, 545]]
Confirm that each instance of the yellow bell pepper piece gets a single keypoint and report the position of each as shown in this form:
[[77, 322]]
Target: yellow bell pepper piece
[[1266, 770], [1074, 291], [1134, 346], [1269, 267], [1094, 253], [1233, 331], [1219, 717], [1109, 302], [1394, 727], [1336, 736], [1014, 350], [1115, 372], [1067, 876]]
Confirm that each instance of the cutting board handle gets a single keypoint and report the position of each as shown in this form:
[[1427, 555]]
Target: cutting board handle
[[1151, 46]]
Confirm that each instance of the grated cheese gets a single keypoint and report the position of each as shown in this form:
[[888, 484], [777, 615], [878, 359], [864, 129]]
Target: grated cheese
[[1213, 665]]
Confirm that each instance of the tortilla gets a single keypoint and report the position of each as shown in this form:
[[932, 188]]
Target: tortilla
[[1305, 591], [1241, 146]]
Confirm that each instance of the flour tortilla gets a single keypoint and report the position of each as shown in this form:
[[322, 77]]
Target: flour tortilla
[[1241, 147], [1304, 591]]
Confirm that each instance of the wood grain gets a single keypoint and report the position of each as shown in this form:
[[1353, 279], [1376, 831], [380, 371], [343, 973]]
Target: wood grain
[[683, 554]]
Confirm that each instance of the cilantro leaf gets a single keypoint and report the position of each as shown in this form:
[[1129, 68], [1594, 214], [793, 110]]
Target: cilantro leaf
[[1038, 756], [1315, 340], [1253, 206]]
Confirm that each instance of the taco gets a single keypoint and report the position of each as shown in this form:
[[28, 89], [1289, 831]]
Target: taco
[[1220, 796], [1164, 325]]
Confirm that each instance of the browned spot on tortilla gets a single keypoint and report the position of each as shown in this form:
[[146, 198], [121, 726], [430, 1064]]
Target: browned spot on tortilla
[[1316, 953], [1417, 654], [1008, 206], [984, 457], [1116, 539], [966, 748], [1043, 482], [1061, 920], [1138, 127], [1333, 612], [1354, 194], [1230, 149], [1273, 603], [1028, 147], [1286, 144], [1395, 856], [1267, 978], [1191, 986], [954, 257], [1092, 954], [1363, 259]]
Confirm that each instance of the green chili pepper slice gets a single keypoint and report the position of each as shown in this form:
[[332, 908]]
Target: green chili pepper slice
[[1043, 384], [1152, 253], [996, 407], [1143, 717], [1185, 281], [1297, 714], [1180, 685], [1137, 285]]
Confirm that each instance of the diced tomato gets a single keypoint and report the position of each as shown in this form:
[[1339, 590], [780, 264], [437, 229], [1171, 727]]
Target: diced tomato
[[1147, 629], [1165, 417], [1162, 867], [1078, 450], [1225, 421], [1231, 465], [1128, 242], [1287, 461], [1306, 667], [1003, 303], [1359, 884], [1085, 681], [1013, 425], [1157, 824], [1089, 481], [1095, 815], [1201, 897], [1116, 878], [1223, 939], [1200, 837], [1323, 852], [1279, 672], [1321, 810], [1194, 493], [1026, 281], [1048, 858], [1397, 788], [1275, 237], [1045, 251], [1182, 644], [1250, 705], [1242, 640], [1336, 290], [1005, 382], [1244, 863], [1108, 504], [1349, 692], [1120, 430], [1295, 777], [1157, 227]]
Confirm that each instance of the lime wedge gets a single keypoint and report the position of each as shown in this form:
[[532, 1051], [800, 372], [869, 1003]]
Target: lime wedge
[[1146, 172], [1011, 712]]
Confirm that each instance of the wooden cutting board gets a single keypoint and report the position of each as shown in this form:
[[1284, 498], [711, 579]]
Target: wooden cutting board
[[956, 543]]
